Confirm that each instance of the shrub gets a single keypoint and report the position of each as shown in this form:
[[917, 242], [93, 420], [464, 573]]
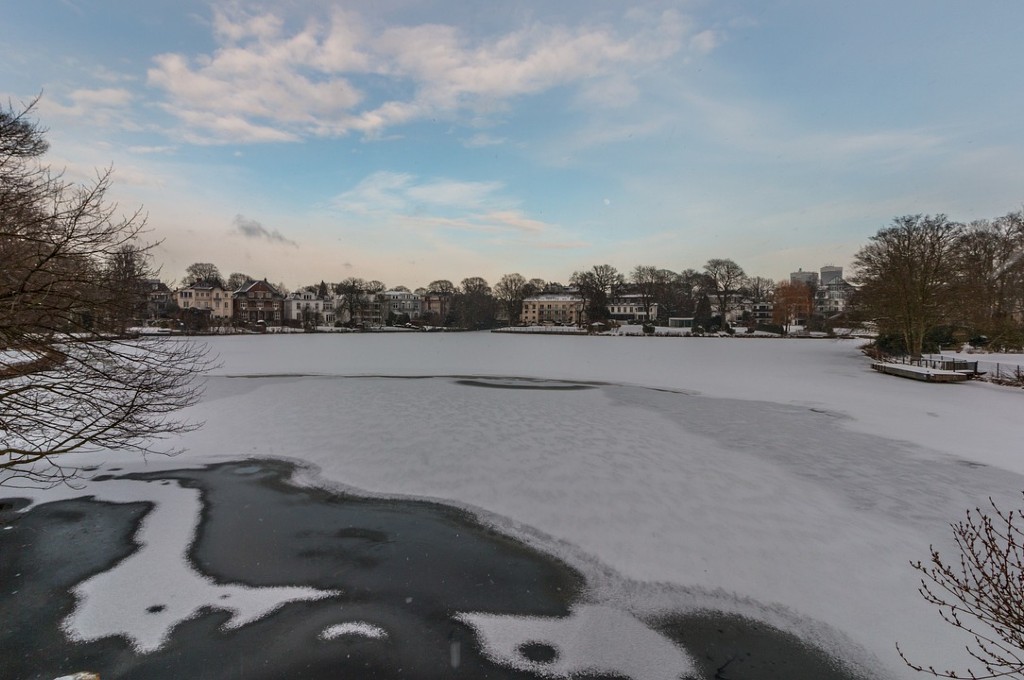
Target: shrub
[[981, 591]]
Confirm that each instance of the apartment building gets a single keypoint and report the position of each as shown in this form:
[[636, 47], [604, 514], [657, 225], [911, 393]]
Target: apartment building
[[552, 309]]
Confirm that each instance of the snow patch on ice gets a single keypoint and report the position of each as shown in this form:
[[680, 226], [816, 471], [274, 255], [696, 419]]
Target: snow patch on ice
[[154, 589], [353, 628], [593, 639]]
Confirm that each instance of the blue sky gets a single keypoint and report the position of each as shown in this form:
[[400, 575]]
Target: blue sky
[[410, 141]]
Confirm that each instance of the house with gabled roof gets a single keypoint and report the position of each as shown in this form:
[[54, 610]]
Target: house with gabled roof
[[258, 303]]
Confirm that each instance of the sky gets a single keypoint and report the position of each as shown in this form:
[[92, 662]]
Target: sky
[[405, 141]]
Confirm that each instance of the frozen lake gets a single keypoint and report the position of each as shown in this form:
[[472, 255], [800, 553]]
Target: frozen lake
[[781, 480]]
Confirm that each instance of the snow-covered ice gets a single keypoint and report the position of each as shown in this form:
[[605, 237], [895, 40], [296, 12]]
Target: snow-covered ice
[[592, 639], [781, 479]]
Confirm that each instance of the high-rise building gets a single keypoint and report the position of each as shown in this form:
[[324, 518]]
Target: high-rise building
[[810, 278], [830, 273]]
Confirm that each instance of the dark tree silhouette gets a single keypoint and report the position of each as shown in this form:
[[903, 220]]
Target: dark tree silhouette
[[70, 270]]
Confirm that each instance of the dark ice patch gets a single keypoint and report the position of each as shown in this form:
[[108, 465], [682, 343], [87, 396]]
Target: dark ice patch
[[525, 384]]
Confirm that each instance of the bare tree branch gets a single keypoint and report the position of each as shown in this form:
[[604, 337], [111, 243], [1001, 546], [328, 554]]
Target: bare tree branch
[[982, 592], [71, 283]]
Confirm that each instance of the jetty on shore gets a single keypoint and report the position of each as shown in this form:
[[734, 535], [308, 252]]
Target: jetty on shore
[[940, 370]]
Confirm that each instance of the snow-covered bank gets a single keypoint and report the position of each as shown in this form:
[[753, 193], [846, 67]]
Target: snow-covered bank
[[781, 479], [996, 365]]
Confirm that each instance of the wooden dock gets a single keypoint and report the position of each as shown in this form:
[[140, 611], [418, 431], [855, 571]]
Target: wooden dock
[[925, 373]]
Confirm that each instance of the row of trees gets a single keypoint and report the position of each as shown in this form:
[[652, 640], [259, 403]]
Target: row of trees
[[927, 279], [207, 272], [474, 303], [922, 280]]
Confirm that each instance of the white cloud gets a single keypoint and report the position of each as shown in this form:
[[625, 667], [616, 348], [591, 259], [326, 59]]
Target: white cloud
[[755, 128], [380, 192], [705, 42], [454, 194], [886, 141], [515, 220], [543, 245], [615, 91], [438, 204], [335, 76], [99, 107], [233, 30], [214, 128], [400, 192], [106, 75], [481, 140], [146, 150]]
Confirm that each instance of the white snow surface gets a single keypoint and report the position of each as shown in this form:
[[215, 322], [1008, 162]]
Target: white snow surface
[[592, 639], [13, 357], [991, 362], [780, 479], [353, 628]]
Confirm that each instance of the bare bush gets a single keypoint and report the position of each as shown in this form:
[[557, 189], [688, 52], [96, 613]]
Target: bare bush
[[981, 592]]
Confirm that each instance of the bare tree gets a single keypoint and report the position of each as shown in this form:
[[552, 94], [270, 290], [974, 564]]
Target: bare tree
[[126, 271], [596, 286], [68, 380], [352, 290], [654, 285], [981, 592], [991, 269], [759, 288], [442, 291], [236, 280], [442, 287], [474, 303], [608, 278], [199, 272], [909, 277], [684, 291], [727, 278], [595, 302], [510, 290]]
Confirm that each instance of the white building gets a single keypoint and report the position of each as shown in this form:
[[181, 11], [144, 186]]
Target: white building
[[552, 309], [630, 307], [304, 306], [207, 297], [833, 292]]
